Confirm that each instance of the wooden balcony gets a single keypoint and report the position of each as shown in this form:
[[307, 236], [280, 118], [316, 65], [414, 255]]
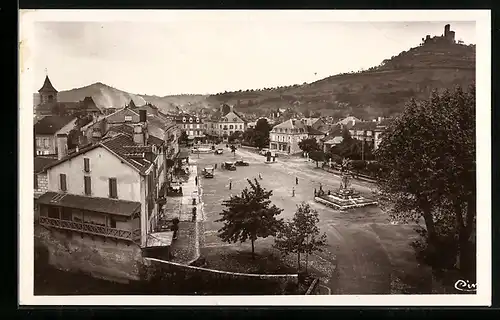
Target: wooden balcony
[[93, 229]]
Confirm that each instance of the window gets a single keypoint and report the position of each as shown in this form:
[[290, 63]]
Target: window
[[112, 188], [53, 212], [66, 214], [128, 118], [112, 222], [230, 126], [46, 142], [38, 142], [241, 127], [86, 164], [36, 181], [87, 184], [62, 182]]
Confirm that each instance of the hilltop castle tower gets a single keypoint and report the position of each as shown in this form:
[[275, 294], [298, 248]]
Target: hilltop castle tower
[[47, 92], [447, 37]]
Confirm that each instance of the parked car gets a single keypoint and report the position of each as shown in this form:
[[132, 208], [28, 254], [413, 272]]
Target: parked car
[[241, 163], [229, 166], [219, 151], [208, 172]]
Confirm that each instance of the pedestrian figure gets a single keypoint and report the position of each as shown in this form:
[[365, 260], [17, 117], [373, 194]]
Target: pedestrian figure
[[296, 180], [315, 192], [196, 180], [293, 192], [230, 184], [216, 166], [260, 176]]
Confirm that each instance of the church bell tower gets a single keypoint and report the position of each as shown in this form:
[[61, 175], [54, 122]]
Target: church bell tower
[[47, 92]]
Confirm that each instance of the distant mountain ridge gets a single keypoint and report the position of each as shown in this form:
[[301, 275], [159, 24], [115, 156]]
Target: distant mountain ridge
[[379, 91]]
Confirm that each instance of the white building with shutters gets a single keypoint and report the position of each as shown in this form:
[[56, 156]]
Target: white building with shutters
[[191, 124]]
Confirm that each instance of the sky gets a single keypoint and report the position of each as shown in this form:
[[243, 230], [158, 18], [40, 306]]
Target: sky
[[181, 57]]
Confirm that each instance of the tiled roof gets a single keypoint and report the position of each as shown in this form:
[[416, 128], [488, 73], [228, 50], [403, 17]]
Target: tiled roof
[[47, 85], [364, 125], [121, 145], [105, 205], [315, 132], [123, 128], [291, 124], [51, 124], [40, 162]]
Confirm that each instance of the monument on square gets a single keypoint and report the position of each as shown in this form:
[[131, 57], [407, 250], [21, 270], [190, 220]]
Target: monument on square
[[345, 197]]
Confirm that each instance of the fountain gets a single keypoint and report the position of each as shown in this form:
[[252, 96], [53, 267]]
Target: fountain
[[345, 197]]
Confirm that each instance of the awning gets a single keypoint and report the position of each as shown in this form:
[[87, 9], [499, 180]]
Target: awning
[[182, 155], [104, 205], [159, 239]]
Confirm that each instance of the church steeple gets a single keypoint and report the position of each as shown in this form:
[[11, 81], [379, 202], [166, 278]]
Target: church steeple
[[47, 92]]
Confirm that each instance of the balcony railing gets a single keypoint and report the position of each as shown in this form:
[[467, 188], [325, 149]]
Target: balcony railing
[[91, 229]]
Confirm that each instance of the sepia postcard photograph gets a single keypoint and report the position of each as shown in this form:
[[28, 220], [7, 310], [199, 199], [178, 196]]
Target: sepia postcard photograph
[[264, 157]]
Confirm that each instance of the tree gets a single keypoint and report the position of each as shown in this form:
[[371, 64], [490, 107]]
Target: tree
[[429, 153], [301, 234], [183, 139], [249, 216], [233, 149], [309, 145], [235, 136], [262, 129], [317, 156]]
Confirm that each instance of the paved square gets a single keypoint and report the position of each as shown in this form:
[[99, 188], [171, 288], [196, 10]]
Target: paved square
[[365, 253]]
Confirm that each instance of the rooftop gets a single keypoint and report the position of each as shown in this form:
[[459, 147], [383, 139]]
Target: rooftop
[[51, 124], [47, 86], [106, 205], [40, 162]]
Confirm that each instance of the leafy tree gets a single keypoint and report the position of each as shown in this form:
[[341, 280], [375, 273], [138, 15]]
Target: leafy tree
[[261, 137], [235, 136], [317, 156], [183, 139], [249, 216], [309, 145], [301, 234], [429, 153]]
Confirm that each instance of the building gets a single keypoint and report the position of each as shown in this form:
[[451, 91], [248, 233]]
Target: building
[[191, 124], [227, 121], [333, 138], [46, 131], [369, 131], [47, 103], [109, 189], [448, 37], [285, 137]]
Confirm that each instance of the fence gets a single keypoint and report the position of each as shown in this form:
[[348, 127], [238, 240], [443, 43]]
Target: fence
[[219, 273], [90, 228]]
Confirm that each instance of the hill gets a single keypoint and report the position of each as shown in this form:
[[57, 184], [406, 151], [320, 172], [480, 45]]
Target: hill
[[106, 96], [380, 91]]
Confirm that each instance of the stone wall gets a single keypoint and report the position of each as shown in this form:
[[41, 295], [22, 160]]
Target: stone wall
[[107, 259], [43, 184]]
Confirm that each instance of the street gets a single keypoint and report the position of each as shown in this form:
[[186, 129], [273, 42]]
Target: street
[[366, 254]]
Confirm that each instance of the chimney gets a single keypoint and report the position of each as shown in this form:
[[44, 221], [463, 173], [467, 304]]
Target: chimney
[[62, 145], [139, 134], [142, 116]]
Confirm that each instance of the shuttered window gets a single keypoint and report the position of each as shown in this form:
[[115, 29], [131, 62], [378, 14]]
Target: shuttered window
[[86, 164], [112, 188], [87, 184], [62, 182]]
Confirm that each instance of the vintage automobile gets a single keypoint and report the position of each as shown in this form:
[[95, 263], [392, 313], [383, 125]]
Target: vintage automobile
[[229, 166], [208, 172], [241, 163], [219, 151]]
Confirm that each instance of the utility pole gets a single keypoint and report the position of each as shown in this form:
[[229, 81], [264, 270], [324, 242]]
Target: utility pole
[[363, 147]]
